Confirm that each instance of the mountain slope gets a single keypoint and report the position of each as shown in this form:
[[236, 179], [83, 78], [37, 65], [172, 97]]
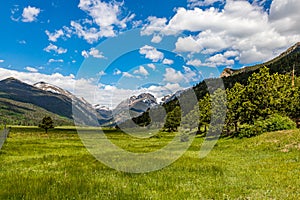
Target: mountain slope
[[128, 108], [18, 113], [53, 102], [283, 64]]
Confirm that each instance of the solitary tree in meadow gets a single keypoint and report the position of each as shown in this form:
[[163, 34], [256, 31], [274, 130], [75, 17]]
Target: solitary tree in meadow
[[46, 123]]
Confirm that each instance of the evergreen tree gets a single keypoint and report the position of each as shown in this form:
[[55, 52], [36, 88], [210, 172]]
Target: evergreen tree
[[46, 123], [173, 119], [204, 112], [234, 105]]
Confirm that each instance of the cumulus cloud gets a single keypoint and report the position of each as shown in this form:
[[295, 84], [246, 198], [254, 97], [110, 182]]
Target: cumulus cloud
[[168, 61], [156, 39], [55, 61], [173, 76], [92, 34], [189, 74], [284, 16], [151, 53], [90, 89], [195, 62], [154, 25], [56, 49], [151, 66], [30, 14], [117, 72], [238, 26], [106, 18], [160, 91], [93, 52], [31, 69], [127, 75], [141, 71], [219, 60], [1, 61], [54, 36]]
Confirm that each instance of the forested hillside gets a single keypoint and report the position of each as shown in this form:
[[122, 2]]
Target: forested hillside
[[269, 91]]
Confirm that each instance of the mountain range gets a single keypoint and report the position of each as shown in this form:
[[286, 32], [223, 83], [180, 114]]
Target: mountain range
[[25, 104]]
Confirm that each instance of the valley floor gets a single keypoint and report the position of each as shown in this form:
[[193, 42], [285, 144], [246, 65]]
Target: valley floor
[[35, 165]]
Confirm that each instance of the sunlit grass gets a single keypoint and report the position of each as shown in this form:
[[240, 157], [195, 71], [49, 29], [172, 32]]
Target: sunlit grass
[[35, 165]]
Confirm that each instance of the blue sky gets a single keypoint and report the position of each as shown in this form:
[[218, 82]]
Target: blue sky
[[105, 50]]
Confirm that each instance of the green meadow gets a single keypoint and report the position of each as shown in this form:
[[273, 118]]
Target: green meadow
[[35, 165]]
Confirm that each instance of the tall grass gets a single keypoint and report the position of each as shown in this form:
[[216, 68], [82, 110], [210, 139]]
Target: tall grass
[[35, 165]]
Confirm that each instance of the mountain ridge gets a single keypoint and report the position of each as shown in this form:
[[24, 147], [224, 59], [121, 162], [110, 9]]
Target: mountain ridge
[[62, 101]]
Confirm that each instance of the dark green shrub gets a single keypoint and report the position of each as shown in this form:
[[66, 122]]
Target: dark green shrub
[[274, 122], [247, 130]]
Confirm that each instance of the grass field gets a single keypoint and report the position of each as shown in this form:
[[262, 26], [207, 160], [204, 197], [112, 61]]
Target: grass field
[[35, 165]]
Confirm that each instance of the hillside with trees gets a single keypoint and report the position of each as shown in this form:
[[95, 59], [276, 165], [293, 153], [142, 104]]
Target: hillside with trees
[[256, 96]]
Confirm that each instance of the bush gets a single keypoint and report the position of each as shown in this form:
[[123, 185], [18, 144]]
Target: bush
[[274, 122]]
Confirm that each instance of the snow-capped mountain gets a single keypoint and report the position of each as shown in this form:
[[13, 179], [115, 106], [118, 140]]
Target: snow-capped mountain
[[132, 107], [171, 97], [105, 113], [84, 110]]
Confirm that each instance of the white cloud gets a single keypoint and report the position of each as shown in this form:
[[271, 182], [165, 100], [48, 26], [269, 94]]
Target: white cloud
[[168, 61], [151, 66], [31, 69], [22, 42], [30, 14], [55, 61], [219, 60], [54, 36], [127, 75], [93, 52], [187, 44], [1, 61], [240, 26], [151, 53], [106, 20], [284, 16], [195, 62], [156, 39], [85, 54], [101, 73], [173, 76], [229, 54], [117, 72], [96, 53], [84, 87], [154, 25], [91, 35], [161, 91], [89, 89], [104, 14], [141, 71], [189, 74], [58, 50]]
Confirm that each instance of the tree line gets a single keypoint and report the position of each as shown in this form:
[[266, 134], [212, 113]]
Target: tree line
[[265, 97], [265, 102]]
